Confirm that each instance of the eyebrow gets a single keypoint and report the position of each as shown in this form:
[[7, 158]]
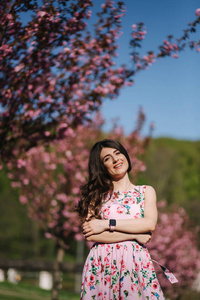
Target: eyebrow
[[109, 154]]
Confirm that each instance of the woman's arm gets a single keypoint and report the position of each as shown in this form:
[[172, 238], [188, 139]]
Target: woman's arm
[[141, 225], [115, 237]]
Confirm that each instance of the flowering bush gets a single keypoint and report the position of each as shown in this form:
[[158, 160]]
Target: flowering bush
[[174, 245]]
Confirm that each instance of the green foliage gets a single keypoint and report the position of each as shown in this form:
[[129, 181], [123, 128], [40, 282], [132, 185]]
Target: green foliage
[[20, 237], [173, 169], [9, 291]]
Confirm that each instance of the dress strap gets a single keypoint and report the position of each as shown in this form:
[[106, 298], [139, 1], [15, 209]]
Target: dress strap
[[170, 276]]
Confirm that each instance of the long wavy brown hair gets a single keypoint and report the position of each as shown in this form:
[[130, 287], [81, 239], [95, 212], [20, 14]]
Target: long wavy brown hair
[[99, 182]]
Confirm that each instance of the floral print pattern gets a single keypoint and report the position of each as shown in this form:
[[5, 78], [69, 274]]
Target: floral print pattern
[[121, 271]]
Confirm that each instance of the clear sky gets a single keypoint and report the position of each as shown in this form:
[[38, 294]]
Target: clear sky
[[169, 91]]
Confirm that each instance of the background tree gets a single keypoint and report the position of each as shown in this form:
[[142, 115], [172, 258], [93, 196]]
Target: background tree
[[54, 70]]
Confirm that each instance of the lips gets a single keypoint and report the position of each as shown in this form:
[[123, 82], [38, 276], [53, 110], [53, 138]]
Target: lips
[[118, 165]]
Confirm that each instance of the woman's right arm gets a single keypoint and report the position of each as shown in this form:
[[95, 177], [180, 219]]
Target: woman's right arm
[[116, 236]]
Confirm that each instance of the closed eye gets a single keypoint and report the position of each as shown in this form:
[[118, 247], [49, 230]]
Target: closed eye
[[107, 158]]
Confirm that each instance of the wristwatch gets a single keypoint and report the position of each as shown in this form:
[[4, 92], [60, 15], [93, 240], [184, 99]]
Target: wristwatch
[[112, 224]]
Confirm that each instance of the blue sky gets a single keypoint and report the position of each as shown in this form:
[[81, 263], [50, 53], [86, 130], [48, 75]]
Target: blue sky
[[169, 90]]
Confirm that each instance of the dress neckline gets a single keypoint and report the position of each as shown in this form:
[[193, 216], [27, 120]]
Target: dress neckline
[[128, 191], [120, 194]]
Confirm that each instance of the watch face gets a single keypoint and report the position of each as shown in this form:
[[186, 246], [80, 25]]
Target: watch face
[[112, 222]]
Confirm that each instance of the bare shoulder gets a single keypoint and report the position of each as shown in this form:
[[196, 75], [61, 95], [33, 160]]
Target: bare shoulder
[[149, 189], [150, 193]]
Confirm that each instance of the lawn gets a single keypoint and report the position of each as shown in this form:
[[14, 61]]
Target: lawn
[[22, 291]]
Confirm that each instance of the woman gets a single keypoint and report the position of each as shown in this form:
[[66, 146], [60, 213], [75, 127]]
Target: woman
[[119, 218]]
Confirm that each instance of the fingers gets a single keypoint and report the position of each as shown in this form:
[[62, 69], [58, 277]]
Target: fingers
[[149, 239], [88, 232], [86, 229]]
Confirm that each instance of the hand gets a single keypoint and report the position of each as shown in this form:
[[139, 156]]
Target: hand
[[143, 238], [94, 226]]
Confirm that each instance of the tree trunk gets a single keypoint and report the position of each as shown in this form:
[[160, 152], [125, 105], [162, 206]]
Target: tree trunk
[[36, 238], [57, 273], [79, 264]]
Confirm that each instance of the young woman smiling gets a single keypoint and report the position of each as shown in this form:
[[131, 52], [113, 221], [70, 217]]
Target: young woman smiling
[[119, 218]]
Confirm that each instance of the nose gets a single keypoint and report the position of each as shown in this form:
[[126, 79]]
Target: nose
[[115, 158]]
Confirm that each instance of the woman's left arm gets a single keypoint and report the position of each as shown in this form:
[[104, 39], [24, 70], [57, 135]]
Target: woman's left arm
[[140, 225]]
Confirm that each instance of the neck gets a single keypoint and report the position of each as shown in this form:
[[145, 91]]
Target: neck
[[122, 184]]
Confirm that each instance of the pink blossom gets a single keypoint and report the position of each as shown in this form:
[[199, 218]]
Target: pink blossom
[[89, 13], [166, 42], [62, 197], [41, 13], [142, 32], [23, 199], [66, 49], [25, 181], [21, 163], [143, 168], [197, 12], [175, 47], [30, 49], [145, 57], [9, 17], [48, 235], [52, 166], [134, 26], [53, 202], [19, 67], [175, 55], [130, 83], [6, 49], [30, 86], [47, 133]]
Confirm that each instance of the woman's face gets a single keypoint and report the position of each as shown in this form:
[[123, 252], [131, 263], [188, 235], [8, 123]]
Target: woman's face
[[115, 162]]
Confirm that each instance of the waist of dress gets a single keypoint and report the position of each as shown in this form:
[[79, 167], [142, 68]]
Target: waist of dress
[[123, 243]]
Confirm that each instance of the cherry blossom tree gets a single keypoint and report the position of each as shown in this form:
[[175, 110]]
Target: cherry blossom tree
[[174, 245], [55, 71]]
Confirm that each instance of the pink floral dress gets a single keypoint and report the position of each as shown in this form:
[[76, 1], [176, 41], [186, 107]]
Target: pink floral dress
[[123, 270]]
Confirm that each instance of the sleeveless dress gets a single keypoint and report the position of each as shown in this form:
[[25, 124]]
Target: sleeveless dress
[[122, 270]]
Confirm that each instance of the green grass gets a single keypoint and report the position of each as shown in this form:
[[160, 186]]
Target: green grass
[[22, 291]]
